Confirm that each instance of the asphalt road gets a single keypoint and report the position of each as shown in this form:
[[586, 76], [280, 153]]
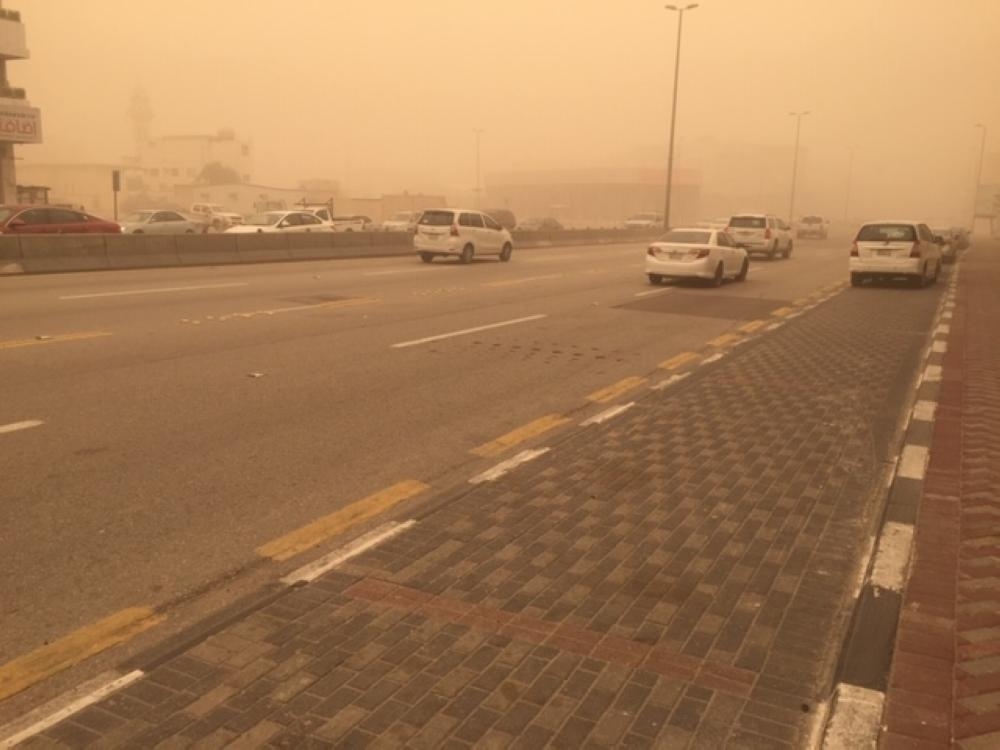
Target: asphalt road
[[189, 416]]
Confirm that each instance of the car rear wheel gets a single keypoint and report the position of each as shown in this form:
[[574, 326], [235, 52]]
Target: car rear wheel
[[773, 251], [720, 274], [744, 270], [655, 279], [467, 254], [857, 279], [505, 253], [426, 257], [788, 251]]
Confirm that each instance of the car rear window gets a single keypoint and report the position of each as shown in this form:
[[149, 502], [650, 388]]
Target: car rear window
[[812, 220], [887, 233], [687, 238], [748, 222], [438, 218]]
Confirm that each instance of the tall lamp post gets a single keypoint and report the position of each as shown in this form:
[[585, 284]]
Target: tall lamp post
[[673, 109], [795, 160], [478, 132], [979, 175]]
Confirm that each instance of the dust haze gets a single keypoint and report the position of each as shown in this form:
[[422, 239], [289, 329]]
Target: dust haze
[[385, 95]]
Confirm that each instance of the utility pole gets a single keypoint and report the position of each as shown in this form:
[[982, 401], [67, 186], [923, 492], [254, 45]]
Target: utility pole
[[979, 175], [850, 175], [795, 161], [478, 132], [673, 109]]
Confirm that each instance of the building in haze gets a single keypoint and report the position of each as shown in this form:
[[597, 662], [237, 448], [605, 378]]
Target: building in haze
[[19, 121]]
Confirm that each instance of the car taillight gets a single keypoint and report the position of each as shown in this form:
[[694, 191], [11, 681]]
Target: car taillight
[[854, 249], [652, 252], [703, 253], [915, 252], [767, 233], [454, 230]]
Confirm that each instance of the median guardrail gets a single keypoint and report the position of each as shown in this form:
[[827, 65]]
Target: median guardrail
[[99, 252]]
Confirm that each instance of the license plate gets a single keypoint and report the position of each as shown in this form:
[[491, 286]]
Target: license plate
[[884, 253]]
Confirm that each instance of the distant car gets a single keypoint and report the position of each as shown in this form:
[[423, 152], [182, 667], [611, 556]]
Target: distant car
[[540, 224], [159, 222], [644, 221], [348, 223], [366, 222], [761, 233], [281, 221], [893, 249], [232, 218], [465, 233], [401, 221], [815, 227], [961, 237], [52, 220], [720, 223], [503, 217], [709, 254], [210, 216]]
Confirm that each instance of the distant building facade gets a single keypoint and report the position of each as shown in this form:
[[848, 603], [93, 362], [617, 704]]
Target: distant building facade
[[19, 122]]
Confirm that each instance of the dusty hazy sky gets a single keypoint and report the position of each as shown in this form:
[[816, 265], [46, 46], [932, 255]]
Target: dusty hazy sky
[[384, 94]]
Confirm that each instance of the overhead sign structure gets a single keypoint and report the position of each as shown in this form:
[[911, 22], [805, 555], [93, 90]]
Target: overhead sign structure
[[20, 124]]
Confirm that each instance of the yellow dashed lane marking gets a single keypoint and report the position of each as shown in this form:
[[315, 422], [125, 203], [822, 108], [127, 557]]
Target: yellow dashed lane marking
[[753, 325], [678, 361], [340, 521], [515, 437], [615, 390], [55, 339], [724, 340], [44, 662], [781, 312]]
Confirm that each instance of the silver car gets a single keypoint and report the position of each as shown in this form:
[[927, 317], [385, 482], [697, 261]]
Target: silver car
[[158, 222]]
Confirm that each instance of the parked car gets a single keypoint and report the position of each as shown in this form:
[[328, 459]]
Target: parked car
[[815, 227], [761, 234], [460, 232], [159, 222], [52, 220], [540, 224], [709, 254], [282, 221], [210, 216], [644, 221], [503, 217], [232, 218], [893, 249], [401, 221]]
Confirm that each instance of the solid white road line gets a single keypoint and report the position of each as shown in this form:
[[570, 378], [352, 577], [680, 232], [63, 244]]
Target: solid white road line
[[913, 462], [315, 569], [653, 291], [415, 269], [162, 290], [504, 466], [892, 556], [714, 358], [15, 426], [465, 331], [69, 709], [607, 414], [669, 381]]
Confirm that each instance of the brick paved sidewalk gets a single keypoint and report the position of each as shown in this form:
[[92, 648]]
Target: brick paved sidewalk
[[945, 683], [681, 576]]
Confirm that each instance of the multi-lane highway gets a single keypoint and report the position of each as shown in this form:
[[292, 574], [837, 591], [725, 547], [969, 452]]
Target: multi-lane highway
[[159, 428]]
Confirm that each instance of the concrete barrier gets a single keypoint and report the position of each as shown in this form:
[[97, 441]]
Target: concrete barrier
[[10, 255], [141, 250], [52, 253], [207, 249], [262, 247], [42, 253]]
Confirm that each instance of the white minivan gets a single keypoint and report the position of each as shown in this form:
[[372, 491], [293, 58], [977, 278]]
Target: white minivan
[[461, 232], [893, 249], [763, 234]]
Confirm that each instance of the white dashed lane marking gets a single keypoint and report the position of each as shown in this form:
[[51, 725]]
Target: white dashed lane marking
[[161, 290], [16, 426]]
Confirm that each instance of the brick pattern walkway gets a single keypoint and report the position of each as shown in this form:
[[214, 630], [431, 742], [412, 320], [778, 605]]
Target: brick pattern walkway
[[945, 683], [681, 576]]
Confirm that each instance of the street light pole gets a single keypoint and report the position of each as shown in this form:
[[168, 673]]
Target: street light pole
[[478, 132], [850, 176], [795, 161], [673, 109], [979, 175]]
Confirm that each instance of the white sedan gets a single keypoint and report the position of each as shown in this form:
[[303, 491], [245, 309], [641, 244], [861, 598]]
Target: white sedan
[[281, 221], [707, 254]]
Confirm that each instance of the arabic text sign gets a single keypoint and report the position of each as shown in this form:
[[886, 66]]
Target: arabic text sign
[[20, 124]]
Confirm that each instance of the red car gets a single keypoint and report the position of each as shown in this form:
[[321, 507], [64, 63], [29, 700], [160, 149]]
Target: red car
[[52, 220]]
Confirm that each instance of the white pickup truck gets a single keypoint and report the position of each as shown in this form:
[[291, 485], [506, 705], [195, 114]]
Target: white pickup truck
[[339, 223], [211, 218]]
